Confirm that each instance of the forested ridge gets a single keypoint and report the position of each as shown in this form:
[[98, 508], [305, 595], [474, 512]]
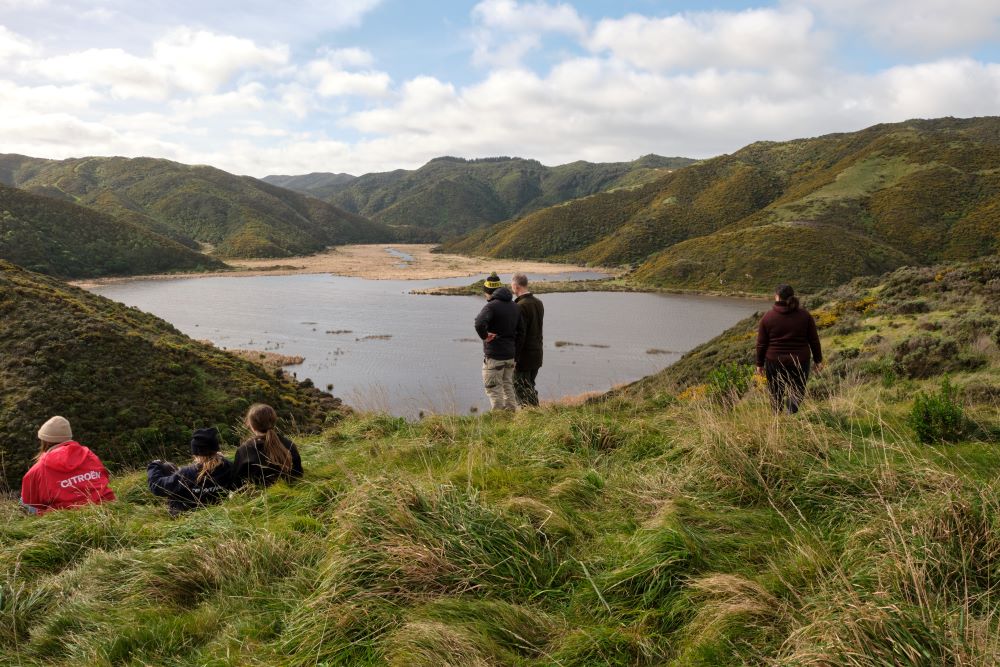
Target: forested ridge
[[813, 212], [198, 206]]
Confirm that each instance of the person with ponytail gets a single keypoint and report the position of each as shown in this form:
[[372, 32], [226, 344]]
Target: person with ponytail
[[786, 338], [266, 456], [205, 481]]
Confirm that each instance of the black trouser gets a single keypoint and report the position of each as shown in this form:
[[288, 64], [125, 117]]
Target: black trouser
[[786, 382], [524, 386]]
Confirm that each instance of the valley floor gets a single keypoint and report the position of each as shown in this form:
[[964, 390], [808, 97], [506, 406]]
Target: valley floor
[[374, 262]]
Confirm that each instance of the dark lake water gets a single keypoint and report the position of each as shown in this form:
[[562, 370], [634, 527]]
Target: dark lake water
[[383, 348]]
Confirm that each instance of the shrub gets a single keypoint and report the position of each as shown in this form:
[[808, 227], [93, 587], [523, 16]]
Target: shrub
[[911, 307], [970, 326], [729, 383], [924, 355], [937, 417]]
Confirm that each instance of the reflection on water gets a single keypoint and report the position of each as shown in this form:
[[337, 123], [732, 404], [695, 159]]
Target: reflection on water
[[399, 254], [381, 347]]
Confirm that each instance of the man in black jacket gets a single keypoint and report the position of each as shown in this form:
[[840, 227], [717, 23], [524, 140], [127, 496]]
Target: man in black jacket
[[500, 326], [528, 355]]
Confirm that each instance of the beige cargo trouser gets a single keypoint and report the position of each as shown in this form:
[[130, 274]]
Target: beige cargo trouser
[[498, 379]]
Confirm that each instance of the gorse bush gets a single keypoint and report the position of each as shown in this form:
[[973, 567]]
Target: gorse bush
[[728, 383], [938, 416]]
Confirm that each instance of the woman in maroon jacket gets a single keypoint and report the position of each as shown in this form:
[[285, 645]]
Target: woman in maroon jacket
[[785, 339]]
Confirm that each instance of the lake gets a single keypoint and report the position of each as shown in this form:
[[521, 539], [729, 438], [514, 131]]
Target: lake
[[383, 348]]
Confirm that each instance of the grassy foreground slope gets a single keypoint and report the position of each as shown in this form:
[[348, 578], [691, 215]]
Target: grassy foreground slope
[[654, 528], [237, 216], [450, 196], [63, 239], [813, 211], [132, 386]]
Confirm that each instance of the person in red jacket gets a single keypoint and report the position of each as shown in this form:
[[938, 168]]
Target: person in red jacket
[[66, 474], [786, 337]]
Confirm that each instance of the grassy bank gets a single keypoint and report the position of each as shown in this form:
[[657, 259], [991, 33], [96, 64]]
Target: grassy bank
[[668, 532], [676, 523]]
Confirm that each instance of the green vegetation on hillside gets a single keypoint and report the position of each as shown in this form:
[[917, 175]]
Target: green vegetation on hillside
[[450, 196], [132, 386], [237, 216], [813, 211], [669, 525], [62, 239], [321, 185]]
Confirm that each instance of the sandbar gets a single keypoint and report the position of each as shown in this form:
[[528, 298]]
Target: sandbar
[[372, 261]]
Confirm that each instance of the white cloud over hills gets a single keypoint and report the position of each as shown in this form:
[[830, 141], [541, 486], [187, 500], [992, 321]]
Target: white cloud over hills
[[540, 80]]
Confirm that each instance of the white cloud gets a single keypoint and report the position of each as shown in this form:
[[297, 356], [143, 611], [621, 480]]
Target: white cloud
[[247, 98], [25, 100], [60, 135], [940, 88], [23, 4], [125, 75], [14, 46], [364, 84], [509, 54], [758, 38], [330, 78], [602, 110], [508, 30], [920, 26], [201, 61], [531, 17], [184, 60]]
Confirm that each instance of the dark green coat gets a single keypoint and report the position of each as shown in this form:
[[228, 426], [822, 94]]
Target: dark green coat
[[528, 354]]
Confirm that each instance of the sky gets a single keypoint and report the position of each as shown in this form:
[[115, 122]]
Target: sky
[[357, 86]]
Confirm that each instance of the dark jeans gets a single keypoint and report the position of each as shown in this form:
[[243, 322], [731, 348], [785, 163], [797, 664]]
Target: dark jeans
[[786, 382], [524, 386]]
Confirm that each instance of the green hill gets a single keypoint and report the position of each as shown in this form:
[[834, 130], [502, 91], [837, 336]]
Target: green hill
[[70, 241], [321, 185], [450, 196], [812, 212], [132, 386], [663, 527], [235, 216]]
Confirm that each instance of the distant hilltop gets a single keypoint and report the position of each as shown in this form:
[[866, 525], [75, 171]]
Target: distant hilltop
[[450, 196], [814, 212]]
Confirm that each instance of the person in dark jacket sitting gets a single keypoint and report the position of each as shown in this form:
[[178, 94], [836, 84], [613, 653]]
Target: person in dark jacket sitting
[[785, 338], [205, 481], [267, 456], [500, 326]]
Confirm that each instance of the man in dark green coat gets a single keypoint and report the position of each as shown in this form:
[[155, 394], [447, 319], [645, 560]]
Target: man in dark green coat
[[528, 353]]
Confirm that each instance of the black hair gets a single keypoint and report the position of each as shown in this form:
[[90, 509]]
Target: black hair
[[786, 295]]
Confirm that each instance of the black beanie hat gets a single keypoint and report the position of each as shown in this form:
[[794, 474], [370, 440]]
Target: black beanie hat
[[492, 283], [205, 441], [784, 292]]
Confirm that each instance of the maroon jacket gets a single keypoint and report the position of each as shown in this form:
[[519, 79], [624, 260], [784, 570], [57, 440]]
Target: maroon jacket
[[787, 335]]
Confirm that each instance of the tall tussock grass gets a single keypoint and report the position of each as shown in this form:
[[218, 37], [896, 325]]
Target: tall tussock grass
[[659, 531]]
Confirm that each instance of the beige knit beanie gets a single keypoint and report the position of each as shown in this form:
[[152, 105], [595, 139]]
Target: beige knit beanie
[[55, 430]]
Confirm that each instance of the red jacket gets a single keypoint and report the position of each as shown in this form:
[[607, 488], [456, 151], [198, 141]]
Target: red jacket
[[786, 335], [68, 475]]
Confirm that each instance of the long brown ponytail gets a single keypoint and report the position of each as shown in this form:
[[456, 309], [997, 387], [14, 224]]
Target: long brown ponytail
[[262, 419]]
